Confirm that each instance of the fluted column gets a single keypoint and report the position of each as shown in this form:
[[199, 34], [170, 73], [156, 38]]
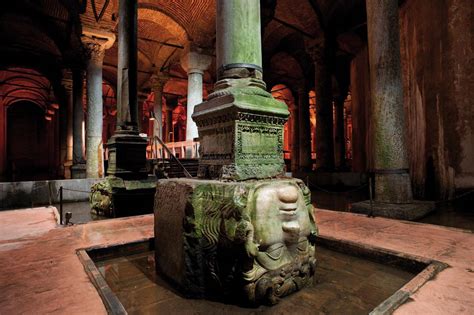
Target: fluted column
[[194, 63], [305, 163], [324, 110]]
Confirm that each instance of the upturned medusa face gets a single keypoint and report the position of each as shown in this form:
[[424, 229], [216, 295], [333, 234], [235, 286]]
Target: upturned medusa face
[[281, 223]]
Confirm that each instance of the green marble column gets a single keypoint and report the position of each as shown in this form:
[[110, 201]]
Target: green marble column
[[238, 36], [241, 125]]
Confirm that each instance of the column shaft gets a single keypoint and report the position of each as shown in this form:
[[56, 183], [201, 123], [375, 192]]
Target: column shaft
[[305, 162], [295, 139], [194, 98], [340, 138], [392, 182], [324, 116], [238, 37], [78, 89], [94, 145], [127, 108]]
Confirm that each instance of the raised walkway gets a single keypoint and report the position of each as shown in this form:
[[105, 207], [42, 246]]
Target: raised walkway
[[40, 272]]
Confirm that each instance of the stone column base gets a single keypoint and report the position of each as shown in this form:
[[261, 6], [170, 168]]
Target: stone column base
[[402, 211], [250, 242], [116, 197], [78, 171]]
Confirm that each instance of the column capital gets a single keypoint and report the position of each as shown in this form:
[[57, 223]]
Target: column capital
[[316, 49], [158, 81], [195, 60], [66, 80], [96, 42]]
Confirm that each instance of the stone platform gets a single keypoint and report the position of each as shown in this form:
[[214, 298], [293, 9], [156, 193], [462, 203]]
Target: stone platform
[[401, 211], [41, 273]]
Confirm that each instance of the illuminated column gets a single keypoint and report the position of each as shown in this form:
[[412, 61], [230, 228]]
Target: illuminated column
[[324, 111], [96, 44], [141, 100], [158, 82], [94, 145], [78, 169], [194, 63], [304, 131]]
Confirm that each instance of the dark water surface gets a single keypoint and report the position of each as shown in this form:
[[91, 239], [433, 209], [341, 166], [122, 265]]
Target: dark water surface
[[343, 285]]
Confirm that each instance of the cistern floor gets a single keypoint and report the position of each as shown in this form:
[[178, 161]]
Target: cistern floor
[[41, 272]]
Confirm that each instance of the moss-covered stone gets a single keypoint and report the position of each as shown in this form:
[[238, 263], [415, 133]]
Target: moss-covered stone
[[252, 240]]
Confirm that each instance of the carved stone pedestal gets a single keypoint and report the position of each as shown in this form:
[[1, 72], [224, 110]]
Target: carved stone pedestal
[[251, 241], [241, 134]]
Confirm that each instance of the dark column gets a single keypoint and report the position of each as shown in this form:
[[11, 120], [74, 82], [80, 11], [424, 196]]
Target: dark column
[[340, 137], [393, 193], [392, 181], [127, 114], [65, 132], [324, 110], [127, 150], [304, 131], [295, 138]]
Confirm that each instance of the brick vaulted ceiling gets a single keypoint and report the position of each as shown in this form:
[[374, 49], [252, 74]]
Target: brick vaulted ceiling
[[166, 27]]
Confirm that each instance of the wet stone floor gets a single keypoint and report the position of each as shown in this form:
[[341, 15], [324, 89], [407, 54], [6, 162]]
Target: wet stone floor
[[343, 285]]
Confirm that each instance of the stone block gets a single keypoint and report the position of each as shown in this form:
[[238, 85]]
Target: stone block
[[116, 197], [401, 211], [249, 241]]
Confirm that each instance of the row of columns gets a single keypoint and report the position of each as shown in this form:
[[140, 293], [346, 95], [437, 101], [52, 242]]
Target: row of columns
[[331, 152], [90, 163]]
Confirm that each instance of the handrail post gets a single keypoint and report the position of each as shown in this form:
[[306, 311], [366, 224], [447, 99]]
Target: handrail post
[[61, 205]]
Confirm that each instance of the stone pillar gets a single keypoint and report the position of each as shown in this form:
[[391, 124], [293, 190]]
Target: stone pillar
[[295, 138], [169, 130], [158, 82], [393, 193], [141, 100], [241, 124], [129, 189], [78, 169], [324, 110], [241, 207], [340, 137], [194, 63], [305, 163], [67, 125], [94, 145], [392, 181], [127, 150]]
